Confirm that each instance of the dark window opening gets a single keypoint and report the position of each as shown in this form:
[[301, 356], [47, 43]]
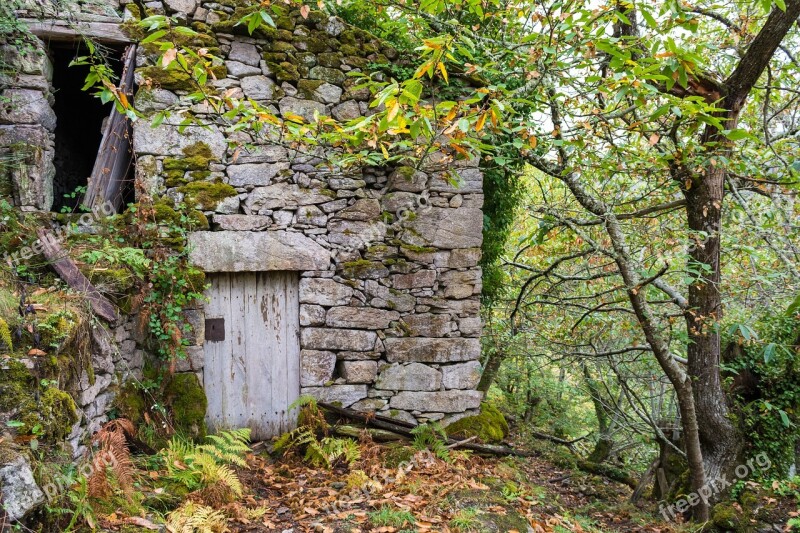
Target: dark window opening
[[81, 120]]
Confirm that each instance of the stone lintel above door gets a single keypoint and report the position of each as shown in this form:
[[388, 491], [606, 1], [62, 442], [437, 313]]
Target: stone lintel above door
[[251, 251]]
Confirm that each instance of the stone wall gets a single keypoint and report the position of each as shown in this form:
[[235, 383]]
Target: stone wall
[[388, 256]]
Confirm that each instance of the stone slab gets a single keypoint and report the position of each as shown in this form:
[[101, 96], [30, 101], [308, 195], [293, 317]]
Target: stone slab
[[245, 251]]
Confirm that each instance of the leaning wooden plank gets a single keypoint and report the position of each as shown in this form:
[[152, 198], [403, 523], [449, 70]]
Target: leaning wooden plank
[[114, 155], [69, 272]]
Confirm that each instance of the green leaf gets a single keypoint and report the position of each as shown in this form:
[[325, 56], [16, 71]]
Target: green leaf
[[769, 352], [15, 424], [153, 36], [649, 19], [785, 418]]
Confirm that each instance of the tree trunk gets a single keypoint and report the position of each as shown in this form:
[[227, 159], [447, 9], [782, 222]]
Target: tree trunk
[[490, 369], [719, 438]]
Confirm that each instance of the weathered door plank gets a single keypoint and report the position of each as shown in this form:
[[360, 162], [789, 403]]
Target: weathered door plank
[[253, 375]]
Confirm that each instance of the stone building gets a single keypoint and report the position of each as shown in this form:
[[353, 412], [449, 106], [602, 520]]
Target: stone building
[[359, 287]]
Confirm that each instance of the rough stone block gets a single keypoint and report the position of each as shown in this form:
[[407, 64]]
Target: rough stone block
[[462, 375], [312, 315], [245, 251], [346, 395], [258, 87], [242, 70], [369, 404], [452, 401], [427, 325], [25, 106], [363, 209], [165, 139], [432, 350], [282, 196], [421, 278], [446, 228], [21, 494], [242, 222], [468, 307], [316, 367], [311, 215], [360, 317], [464, 258], [413, 377], [244, 53], [358, 371], [337, 339], [407, 179], [254, 174], [469, 180], [303, 108], [323, 291], [470, 327]]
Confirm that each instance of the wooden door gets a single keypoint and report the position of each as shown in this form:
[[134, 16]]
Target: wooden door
[[252, 351]]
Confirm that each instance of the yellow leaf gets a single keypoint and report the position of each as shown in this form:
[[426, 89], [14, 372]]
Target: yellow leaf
[[443, 71], [481, 121], [533, 141], [385, 151], [393, 111]]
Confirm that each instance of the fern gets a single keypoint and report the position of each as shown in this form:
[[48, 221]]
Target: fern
[[193, 518], [205, 467], [431, 436], [211, 472], [229, 447]]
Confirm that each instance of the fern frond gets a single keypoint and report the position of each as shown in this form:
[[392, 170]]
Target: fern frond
[[194, 518]]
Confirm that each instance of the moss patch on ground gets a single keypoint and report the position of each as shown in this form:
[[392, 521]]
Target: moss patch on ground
[[489, 426]]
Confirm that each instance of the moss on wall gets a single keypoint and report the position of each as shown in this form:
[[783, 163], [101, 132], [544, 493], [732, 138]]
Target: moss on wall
[[187, 401], [48, 413], [206, 195]]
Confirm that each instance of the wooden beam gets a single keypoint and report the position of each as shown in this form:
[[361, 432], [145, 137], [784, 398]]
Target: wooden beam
[[402, 428], [69, 272], [104, 32], [114, 156]]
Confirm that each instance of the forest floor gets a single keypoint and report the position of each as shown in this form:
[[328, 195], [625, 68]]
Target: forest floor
[[395, 489]]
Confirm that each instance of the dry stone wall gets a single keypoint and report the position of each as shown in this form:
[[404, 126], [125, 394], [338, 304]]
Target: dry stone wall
[[390, 281]]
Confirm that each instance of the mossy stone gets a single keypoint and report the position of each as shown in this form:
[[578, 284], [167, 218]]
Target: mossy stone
[[54, 411], [489, 426], [173, 79], [363, 269], [129, 403], [726, 516], [284, 71], [306, 88], [196, 156], [206, 195], [187, 401], [283, 46], [347, 50]]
